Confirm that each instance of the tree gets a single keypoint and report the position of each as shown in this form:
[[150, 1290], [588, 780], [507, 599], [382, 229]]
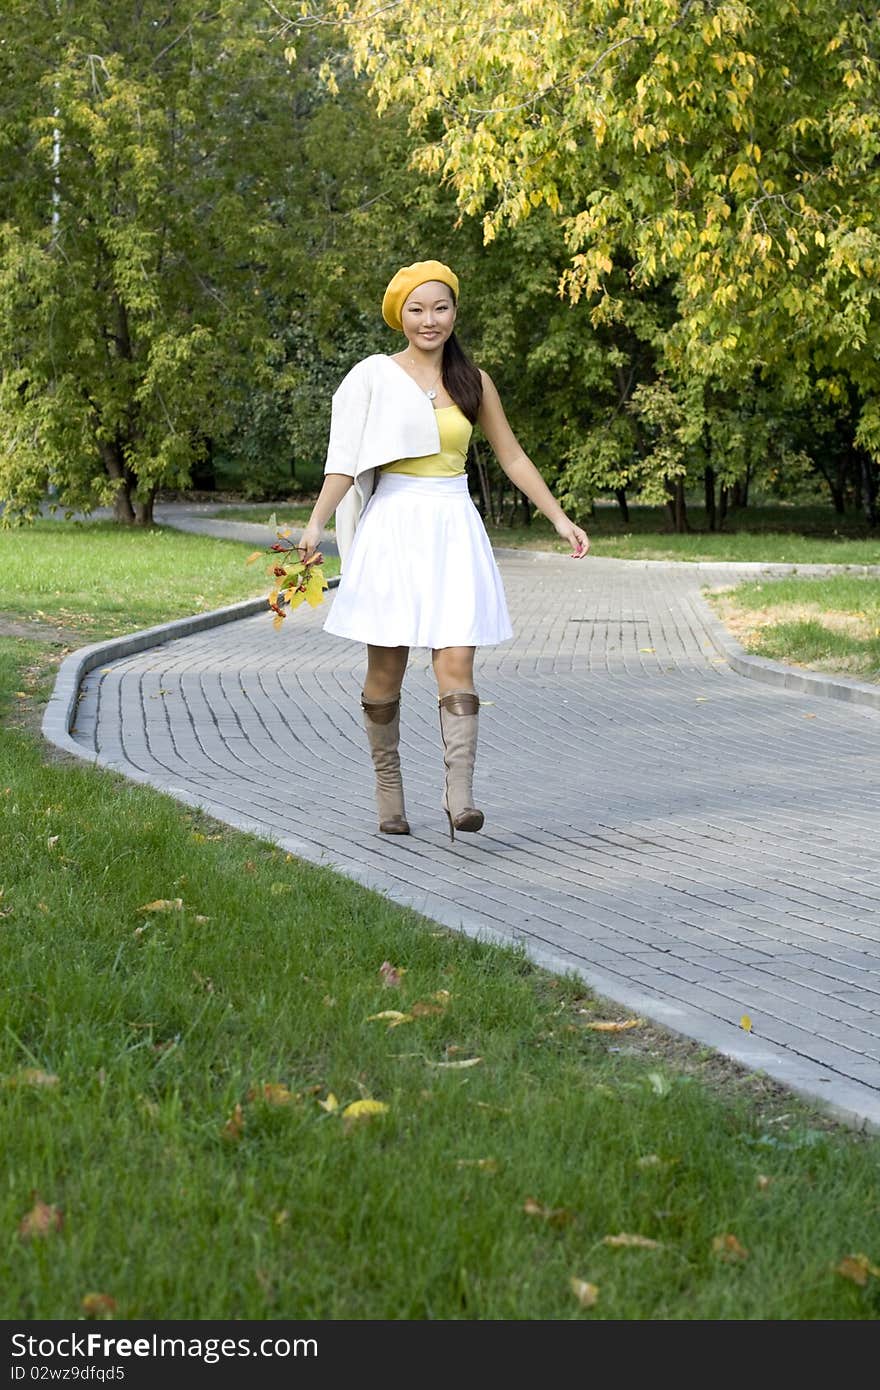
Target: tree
[[725, 153], [144, 144]]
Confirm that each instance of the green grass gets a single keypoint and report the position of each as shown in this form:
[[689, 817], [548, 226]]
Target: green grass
[[105, 579], [158, 1025], [293, 514], [793, 535], [829, 624]]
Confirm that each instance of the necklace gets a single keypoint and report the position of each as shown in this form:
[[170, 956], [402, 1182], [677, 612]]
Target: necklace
[[430, 391]]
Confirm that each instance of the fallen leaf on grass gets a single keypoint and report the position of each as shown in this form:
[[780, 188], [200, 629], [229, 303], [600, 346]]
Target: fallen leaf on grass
[[762, 1182], [364, 1109], [728, 1248], [52, 841], [624, 1241], [234, 1127], [586, 1294], [98, 1305], [273, 1093], [489, 1165], [658, 1083], [421, 1009], [391, 974], [391, 1017], [555, 1216], [458, 1065], [613, 1025], [331, 1104], [32, 1076], [856, 1268], [42, 1220], [163, 905]]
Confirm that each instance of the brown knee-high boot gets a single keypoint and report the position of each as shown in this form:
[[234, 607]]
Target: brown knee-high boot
[[382, 723], [459, 710]]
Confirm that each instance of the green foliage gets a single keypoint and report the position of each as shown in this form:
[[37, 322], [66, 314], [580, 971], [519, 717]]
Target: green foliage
[[721, 157]]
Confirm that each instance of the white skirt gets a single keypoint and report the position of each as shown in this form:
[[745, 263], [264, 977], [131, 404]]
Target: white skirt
[[420, 571]]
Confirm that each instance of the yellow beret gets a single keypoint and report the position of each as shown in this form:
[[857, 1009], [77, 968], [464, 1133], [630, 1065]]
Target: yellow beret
[[408, 279]]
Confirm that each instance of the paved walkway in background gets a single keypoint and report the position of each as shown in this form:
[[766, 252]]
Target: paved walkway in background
[[696, 845]]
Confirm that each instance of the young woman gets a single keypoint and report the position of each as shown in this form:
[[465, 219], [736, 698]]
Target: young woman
[[418, 570]]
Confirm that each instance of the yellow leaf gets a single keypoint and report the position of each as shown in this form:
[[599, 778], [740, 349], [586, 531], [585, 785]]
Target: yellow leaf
[[42, 1220], [163, 905], [331, 1104], [254, 555], [614, 1025], [277, 621], [234, 1127], [728, 1248], [457, 1066], [555, 1216], [296, 598], [364, 1109], [423, 1009], [32, 1076], [586, 1294], [98, 1305], [745, 1023], [635, 1242], [273, 1093], [393, 1017], [857, 1268]]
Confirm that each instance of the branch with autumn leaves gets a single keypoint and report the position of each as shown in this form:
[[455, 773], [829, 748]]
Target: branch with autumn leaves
[[302, 582]]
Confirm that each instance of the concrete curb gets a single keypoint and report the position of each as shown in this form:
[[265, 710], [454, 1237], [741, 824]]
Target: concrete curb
[[760, 668], [60, 712]]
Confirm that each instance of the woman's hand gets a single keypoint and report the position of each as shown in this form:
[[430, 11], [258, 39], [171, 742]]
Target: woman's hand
[[576, 538], [308, 541]]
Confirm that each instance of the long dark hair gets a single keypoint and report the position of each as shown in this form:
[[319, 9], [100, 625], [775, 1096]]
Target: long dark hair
[[462, 379]]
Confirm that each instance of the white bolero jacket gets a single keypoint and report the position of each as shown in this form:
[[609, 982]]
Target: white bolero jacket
[[379, 415]]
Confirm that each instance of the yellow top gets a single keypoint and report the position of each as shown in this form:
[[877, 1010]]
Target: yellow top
[[455, 436]]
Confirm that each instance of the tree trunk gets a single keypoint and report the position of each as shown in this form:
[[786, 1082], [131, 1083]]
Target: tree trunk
[[869, 489], [111, 457], [709, 486], [722, 508], [677, 506], [738, 494], [143, 509], [620, 494]]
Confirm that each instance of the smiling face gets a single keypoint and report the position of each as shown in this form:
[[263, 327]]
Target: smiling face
[[428, 315]]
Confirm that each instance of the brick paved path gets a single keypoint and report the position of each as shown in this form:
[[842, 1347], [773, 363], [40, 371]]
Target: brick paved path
[[697, 845]]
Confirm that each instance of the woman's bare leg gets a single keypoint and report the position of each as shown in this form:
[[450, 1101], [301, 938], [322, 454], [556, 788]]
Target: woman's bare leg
[[385, 671], [453, 668]]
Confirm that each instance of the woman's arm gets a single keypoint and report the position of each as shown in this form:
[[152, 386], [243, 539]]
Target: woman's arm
[[335, 486], [520, 469]]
